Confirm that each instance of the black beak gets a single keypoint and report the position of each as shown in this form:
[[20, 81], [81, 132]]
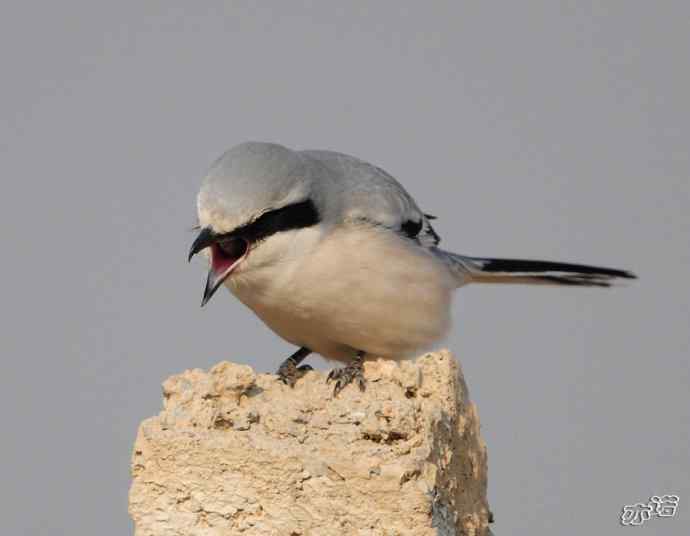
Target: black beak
[[235, 250], [212, 284], [204, 240]]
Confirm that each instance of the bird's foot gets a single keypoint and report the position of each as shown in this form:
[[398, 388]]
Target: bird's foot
[[353, 372], [289, 372]]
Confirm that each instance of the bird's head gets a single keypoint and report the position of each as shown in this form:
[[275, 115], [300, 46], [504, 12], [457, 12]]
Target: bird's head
[[251, 202]]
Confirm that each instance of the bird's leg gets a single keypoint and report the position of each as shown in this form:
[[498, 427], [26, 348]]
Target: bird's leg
[[354, 371], [289, 372]]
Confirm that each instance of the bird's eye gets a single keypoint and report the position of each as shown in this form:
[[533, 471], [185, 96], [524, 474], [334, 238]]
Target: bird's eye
[[233, 247]]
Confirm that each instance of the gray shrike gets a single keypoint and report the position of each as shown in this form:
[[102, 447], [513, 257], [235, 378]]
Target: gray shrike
[[336, 258]]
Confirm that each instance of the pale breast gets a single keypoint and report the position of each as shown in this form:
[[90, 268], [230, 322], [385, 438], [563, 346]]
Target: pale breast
[[361, 289]]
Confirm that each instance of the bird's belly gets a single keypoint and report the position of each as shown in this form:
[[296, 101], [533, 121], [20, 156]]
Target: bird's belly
[[358, 293]]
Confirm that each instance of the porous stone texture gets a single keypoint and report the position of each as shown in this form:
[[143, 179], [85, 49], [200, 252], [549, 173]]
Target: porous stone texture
[[235, 452]]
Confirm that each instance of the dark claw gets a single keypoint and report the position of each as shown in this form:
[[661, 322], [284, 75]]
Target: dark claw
[[346, 375], [289, 373]]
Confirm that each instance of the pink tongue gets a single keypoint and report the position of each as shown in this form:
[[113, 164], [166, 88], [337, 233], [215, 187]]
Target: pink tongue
[[220, 262]]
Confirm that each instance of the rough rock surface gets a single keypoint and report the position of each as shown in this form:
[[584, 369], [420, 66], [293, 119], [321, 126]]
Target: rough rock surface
[[235, 452]]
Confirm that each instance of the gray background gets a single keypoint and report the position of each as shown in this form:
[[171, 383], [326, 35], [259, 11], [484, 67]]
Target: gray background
[[545, 129]]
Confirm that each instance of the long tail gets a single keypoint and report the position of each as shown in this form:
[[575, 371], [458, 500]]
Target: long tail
[[486, 270]]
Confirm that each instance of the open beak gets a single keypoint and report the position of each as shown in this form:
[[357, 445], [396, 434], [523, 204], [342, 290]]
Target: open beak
[[213, 282], [226, 253], [204, 240]]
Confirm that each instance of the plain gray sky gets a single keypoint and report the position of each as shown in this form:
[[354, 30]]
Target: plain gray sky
[[555, 130]]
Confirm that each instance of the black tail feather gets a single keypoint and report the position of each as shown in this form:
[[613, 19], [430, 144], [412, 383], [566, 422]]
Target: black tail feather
[[486, 270], [528, 266]]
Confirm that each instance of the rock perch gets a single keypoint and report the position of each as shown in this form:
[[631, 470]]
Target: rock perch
[[235, 452]]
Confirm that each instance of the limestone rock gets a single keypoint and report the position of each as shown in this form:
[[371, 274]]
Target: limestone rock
[[235, 452]]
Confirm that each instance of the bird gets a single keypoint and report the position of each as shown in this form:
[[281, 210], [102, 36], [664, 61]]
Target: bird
[[336, 257]]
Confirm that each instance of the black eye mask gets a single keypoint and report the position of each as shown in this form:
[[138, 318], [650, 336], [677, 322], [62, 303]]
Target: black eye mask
[[295, 216]]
